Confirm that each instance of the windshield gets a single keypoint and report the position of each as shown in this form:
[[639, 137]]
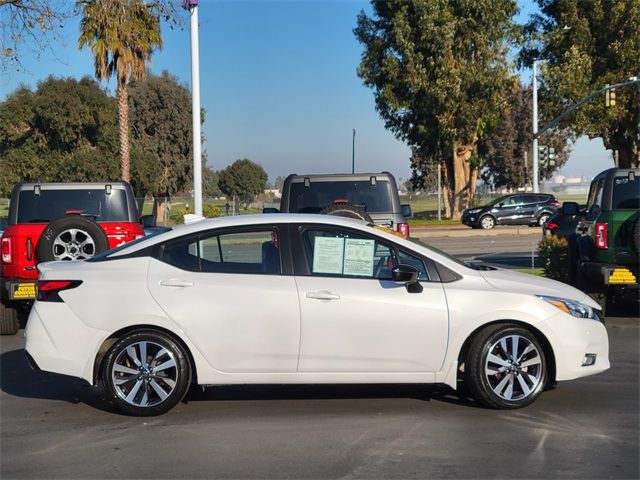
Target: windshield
[[626, 193], [320, 195], [108, 253], [52, 204]]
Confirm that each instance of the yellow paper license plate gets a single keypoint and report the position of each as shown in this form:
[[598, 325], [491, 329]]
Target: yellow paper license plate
[[23, 291], [621, 276]]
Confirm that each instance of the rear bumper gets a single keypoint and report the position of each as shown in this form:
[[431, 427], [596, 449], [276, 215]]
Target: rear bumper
[[62, 343]]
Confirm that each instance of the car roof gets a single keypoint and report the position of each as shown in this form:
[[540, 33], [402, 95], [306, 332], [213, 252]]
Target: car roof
[[339, 177]]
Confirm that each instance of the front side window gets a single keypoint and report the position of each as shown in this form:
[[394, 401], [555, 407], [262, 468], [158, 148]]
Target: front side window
[[234, 252], [348, 254]]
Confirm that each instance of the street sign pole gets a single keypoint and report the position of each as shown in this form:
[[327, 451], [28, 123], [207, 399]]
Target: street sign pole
[[192, 6]]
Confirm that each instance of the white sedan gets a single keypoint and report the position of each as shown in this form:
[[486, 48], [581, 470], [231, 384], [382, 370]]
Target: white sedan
[[305, 299]]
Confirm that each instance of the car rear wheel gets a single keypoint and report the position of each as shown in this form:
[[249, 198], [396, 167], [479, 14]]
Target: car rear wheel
[[146, 373], [9, 323], [487, 222], [71, 238], [542, 219], [505, 367]]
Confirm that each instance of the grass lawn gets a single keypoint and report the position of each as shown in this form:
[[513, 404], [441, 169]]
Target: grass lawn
[[539, 272]]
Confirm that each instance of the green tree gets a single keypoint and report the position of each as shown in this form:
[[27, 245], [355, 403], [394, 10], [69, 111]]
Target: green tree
[[121, 35], [161, 128], [65, 130], [586, 45], [439, 73], [503, 152], [244, 179], [210, 180]]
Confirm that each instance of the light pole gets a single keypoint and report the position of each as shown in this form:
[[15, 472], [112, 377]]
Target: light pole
[[192, 6], [534, 153], [353, 152]]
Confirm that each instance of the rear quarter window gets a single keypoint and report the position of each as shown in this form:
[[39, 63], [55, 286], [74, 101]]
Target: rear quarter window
[[626, 193]]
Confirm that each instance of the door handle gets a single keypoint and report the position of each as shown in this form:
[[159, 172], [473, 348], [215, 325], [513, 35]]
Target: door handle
[[322, 295], [174, 282]]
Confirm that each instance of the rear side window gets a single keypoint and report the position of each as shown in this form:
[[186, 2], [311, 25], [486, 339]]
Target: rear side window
[[626, 193], [595, 195], [241, 252], [319, 195], [52, 204]]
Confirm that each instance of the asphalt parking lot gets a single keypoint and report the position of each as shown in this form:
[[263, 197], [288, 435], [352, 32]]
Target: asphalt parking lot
[[56, 427]]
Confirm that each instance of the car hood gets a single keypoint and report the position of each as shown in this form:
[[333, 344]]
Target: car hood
[[517, 282]]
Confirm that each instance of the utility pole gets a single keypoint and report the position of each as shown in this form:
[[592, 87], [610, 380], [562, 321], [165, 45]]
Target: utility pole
[[353, 152], [525, 170], [534, 156], [439, 191], [192, 6]]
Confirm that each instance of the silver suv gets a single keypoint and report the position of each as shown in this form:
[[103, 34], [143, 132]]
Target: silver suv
[[375, 195]]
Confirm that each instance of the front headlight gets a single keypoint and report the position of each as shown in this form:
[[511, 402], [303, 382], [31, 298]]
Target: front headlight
[[571, 307]]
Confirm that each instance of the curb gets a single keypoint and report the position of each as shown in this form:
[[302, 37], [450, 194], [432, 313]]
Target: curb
[[429, 232]]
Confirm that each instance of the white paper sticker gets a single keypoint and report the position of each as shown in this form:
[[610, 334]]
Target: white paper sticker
[[328, 253], [358, 257]]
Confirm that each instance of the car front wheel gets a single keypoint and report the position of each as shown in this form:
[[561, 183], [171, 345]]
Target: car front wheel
[[146, 373], [487, 222], [505, 367]]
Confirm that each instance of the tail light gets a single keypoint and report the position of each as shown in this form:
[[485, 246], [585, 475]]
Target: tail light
[[601, 235], [555, 204], [7, 250], [403, 229], [48, 290], [552, 226]]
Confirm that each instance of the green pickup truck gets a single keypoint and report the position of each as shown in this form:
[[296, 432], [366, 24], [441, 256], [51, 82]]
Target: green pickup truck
[[604, 255]]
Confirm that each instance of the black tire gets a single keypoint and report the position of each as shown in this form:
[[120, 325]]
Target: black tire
[[636, 236], [487, 222], [172, 380], [349, 211], [82, 236], [596, 292], [525, 376], [9, 322]]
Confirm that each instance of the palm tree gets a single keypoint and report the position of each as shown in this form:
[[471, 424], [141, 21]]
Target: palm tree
[[121, 34]]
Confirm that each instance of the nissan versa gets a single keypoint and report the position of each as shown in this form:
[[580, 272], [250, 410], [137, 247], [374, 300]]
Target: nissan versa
[[305, 299]]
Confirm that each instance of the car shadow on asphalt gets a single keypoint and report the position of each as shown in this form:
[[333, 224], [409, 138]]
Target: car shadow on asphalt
[[20, 380], [17, 378]]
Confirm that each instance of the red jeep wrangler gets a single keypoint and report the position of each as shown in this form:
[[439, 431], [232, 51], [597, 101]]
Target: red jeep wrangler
[[58, 221]]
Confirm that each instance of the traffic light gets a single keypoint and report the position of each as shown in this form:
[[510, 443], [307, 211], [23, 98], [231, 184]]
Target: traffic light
[[551, 157], [543, 155], [610, 97]]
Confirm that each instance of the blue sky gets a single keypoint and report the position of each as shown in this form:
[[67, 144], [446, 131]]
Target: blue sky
[[279, 86]]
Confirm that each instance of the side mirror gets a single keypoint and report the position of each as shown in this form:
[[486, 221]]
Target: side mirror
[[148, 221], [406, 211], [570, 208], [407, 275], [501, 204], [270, 210]]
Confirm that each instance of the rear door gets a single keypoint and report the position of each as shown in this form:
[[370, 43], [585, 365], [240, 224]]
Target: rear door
[[228, 292], [354, 318], [507, 213]]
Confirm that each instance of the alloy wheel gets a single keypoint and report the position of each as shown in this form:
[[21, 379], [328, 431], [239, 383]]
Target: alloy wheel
[[513, 368], [144, 374], [73, 244]]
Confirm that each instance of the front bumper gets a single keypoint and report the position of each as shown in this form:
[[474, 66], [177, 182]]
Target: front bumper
[[471, 220], [572, 340]]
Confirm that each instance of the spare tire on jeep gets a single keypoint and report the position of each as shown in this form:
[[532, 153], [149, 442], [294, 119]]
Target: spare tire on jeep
[[73, 237], [347, 210]]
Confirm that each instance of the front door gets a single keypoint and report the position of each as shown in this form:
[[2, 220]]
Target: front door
[[355, 319]]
